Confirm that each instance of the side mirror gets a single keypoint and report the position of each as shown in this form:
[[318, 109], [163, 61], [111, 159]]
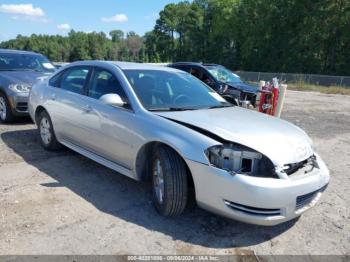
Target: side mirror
[[113, 100]]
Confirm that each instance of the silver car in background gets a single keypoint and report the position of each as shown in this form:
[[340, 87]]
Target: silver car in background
[[163, 124]]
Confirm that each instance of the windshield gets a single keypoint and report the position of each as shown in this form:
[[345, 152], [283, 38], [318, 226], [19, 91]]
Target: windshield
[[170, 91], [25, 62], [224, 75]]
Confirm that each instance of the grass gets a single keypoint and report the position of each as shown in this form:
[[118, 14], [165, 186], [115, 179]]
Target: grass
[[302, 86]]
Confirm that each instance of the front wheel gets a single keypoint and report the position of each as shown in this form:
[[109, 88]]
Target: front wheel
[[46, 132], [169, 181], [5, 110]]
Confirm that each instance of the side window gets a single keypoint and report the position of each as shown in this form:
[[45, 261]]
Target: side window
[[103, 82], [203, 76], [186, 69], [74, 79], [206, 78], [196, 72]]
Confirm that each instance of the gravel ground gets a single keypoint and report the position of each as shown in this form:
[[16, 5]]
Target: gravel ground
[[63, 203]]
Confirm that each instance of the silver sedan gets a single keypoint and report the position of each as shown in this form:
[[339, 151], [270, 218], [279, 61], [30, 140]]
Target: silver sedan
[[164, 125]]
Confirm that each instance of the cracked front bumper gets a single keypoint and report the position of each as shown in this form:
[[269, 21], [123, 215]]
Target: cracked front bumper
[[262, 201]]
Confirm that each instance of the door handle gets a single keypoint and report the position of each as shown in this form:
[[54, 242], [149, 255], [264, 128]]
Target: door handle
[[53, 97], [87, 109]]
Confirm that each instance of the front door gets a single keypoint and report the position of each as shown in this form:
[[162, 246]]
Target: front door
[[109, 128]]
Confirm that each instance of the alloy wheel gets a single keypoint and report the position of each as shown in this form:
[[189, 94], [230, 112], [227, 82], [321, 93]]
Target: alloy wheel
[[45, 131], [158, 181]]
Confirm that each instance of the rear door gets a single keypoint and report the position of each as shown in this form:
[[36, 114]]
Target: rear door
[[67, 104]]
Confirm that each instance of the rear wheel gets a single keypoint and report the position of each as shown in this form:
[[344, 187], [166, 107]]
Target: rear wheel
[[46, 132], [169, 181], [5, 110]]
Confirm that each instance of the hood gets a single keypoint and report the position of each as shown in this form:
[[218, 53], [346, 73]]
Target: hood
[[23, 77], [244, 87], [282, 142]]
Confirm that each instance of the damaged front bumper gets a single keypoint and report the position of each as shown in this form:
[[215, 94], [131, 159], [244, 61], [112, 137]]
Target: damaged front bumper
[[255, 200]]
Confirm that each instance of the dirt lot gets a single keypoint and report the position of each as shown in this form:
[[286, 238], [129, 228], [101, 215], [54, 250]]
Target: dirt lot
[[63, 203]]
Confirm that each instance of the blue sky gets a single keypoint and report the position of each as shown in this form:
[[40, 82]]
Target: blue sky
[[59, 16]]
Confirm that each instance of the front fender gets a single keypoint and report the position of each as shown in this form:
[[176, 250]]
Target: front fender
[[188, 143]]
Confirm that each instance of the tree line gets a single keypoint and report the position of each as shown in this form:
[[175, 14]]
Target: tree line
[[83, 46], [297, 36]]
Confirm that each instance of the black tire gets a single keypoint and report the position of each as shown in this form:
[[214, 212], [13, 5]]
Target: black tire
[[174, 175], [50, 144], [6, 114]]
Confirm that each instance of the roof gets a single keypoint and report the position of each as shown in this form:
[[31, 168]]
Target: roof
[[131, 65], [125, 65], [187, 63], [211, 65], [194, 63], [12, 51]]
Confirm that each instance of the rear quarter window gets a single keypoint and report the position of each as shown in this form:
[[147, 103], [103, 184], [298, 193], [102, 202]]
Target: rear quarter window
[[55, 80]]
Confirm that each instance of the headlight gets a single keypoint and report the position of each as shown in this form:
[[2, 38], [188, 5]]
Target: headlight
[[20, 88], [237, 159]]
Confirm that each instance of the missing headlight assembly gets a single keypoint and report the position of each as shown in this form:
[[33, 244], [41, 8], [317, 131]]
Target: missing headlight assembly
[[238, 159], [301, 169]]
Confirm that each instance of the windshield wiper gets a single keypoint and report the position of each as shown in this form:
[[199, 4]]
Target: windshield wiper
[[172, 109]]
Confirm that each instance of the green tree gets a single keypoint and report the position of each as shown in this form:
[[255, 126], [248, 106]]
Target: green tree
[[134, 44], [299, 36], [117, 36], [79, 43]]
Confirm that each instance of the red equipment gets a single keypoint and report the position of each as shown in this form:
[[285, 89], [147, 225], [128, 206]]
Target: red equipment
[[268, 98]]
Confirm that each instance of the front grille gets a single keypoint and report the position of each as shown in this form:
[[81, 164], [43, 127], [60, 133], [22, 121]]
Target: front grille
[[306, 199], [253, 210], [22, 106]]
